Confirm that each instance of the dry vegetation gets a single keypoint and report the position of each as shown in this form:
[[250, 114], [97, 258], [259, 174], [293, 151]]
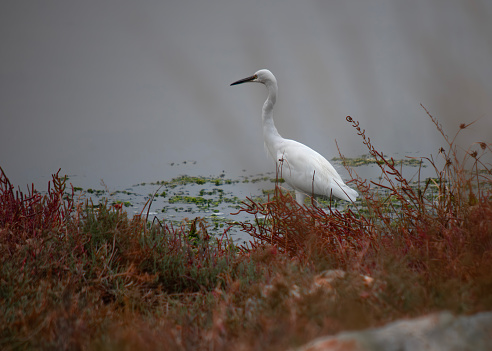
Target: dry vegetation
[[77, 276]]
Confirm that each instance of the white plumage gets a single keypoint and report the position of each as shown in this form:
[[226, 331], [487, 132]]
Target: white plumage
[[302, 168]]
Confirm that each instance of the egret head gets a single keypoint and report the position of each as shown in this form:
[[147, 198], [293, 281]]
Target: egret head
[[262, 76]]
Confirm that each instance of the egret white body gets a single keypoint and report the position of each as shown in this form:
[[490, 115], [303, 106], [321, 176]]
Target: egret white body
[[302, 168]]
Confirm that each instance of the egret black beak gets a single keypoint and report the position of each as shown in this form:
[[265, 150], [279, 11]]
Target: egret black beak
[[245, 80]]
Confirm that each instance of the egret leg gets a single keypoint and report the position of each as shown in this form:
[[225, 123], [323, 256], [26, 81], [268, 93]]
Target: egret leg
[[300, 196]]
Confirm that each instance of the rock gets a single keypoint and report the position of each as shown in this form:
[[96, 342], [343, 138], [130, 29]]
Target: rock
[[436, 332]]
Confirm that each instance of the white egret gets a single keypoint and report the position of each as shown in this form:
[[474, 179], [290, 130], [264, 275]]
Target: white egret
[[302, 168]]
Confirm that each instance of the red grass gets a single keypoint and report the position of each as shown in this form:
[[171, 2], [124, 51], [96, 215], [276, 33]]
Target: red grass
[[443, 240], [33, 213], [78, 276]]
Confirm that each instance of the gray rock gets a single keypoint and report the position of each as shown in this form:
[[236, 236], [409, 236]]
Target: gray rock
[[435, 332]]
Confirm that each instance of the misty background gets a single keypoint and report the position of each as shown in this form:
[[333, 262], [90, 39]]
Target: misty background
[[131, 92]]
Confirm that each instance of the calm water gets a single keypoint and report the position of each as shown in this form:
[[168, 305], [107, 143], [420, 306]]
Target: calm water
[[215, 198], [125, 91]]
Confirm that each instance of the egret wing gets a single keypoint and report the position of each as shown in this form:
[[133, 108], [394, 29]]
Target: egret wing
[[308, 171]]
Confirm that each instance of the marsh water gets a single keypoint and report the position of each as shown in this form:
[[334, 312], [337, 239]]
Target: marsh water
[[218, 198]]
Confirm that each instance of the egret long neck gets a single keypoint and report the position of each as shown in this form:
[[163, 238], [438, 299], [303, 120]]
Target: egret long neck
[[270, 135]]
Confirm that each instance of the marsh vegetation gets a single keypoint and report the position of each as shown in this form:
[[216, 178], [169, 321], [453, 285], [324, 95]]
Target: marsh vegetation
[[76, 274]]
